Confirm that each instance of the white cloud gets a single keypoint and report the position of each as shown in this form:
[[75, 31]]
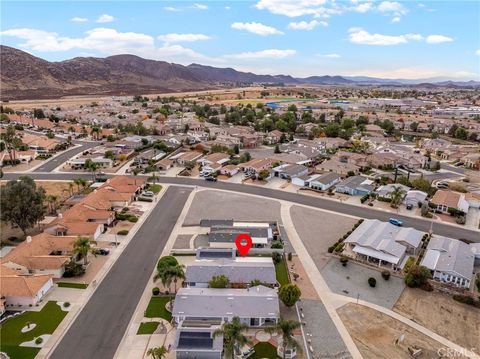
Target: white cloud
[[183, 37], [437, 39], [396, 19], [105, 18], [171, 9], [256, 28], [107, 42], [227, 7], [362, 7], [329, 56], [303, 25], [264, 54], [294, 8], [477, 52], [78, 19], [200, 6], [392, 7]]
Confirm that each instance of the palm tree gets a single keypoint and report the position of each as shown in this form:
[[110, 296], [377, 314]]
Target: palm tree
[[396, 196], [52, 202], [176, 272], [169, 274], [83, 246], [70, 188], [233, 337], [78, 182], [285, 328], [164, 276], [95, 130], [157, 353], [92, 167]]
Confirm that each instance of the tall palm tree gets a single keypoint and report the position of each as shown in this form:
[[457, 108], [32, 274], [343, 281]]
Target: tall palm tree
[[285, 328], [396, 196], [176, 272], [70, 188], [83, 246], [233, 337], [157, 353], [52, 201], [164, 276], [78, 182], [92, 167]]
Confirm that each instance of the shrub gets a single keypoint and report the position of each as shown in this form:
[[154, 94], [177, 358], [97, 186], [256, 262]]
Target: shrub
[[218, 282], [38, 341], [123, 232], [124, 209], [386, 274], [344, 260], [66, 304], [339, 247], [372, 282], [145, 199], [331, 249], [73, 269], [289, 256], [121, 216], [417, 276], [466, 299], [461, 220], [276, 257], [132, 219], [289, 294], [427, 287], [277, 245], [155, 291], [167, 261], [364, 198]]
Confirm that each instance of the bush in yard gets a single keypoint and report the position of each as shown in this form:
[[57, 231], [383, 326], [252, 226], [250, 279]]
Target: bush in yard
[[73, 269], [66, 304], [331, 249], [155, 291], [276, 257], [277, 245], [219, 281], [289, 256], [289, 294], [38, 341], [344, 260], [386, 274], [461, 220], [339, 247], [417, 276], [123, 232], [124, 209], [372, 282], [167, 261], [145, 199], [133, 219]]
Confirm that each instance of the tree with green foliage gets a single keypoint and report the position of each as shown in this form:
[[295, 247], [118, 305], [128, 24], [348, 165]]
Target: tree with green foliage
[[12, 142], [233, 336], [422, 184], [22, 203], [92, 167], [219, 281], [285, 328], [417, 276], [404, 180], [38, 113], [396, 197], [332, 129], [83, 246], [289, 294], [158, 352]]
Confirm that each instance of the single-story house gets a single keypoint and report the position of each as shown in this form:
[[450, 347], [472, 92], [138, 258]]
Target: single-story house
[[449, 260], [335, 165], [229, 170], [413, 197], [386, 190], [256, 306], [218, 157], [473, 199], [79, 163], [186, 158], [355, 186], [195, 340], [442, 200], [256, 165], [239, 271], [289, 171], [383, 243], [224, 236], [324, 182]]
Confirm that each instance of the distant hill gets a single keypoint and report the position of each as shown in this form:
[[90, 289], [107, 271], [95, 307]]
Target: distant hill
[[24, 76]]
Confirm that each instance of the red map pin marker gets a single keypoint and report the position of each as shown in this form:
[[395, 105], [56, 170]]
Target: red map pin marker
[[244, 243]]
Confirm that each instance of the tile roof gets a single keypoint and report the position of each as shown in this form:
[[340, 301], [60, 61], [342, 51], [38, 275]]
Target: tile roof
[[20, 285]]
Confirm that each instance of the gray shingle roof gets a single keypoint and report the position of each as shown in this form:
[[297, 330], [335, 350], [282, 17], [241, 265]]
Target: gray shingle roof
[[237, 271], [229, 234], [255, 302]]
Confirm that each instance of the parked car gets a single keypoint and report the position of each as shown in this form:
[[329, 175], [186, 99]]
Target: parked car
[[148, 194], [395, 222], [104, 251], [409, 206], [210, 179]]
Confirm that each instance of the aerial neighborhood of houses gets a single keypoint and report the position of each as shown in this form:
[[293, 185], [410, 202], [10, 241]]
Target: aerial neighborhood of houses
[[128, 212]]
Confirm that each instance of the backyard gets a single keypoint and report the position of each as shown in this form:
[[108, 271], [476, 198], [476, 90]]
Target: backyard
[[11, 334]]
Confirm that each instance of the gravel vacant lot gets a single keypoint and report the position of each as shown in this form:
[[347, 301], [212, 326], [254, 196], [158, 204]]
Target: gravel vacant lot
[[227, 205], [182, 241], [386, 293], [319, 230], [375, 333], [455, 321], [319, 328]]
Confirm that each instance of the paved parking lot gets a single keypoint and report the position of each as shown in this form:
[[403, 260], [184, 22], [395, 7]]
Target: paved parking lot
[[319, 230], [320, 331], [227, 205], [352, 280]]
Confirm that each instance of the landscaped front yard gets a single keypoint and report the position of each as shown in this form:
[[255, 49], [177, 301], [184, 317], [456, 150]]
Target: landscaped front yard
[[148, 327], [264, 350], [156, 308], [282, 272], [72, 285], [46, 320]]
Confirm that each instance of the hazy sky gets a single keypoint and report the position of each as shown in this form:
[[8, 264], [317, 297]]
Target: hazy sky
[[404, 39]]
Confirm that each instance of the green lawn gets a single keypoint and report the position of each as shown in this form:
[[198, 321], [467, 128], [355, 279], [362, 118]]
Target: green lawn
[[264, 350], [155, 188], [148, 327], [156, 308], [72, 285], [47, 320], [282, 272]]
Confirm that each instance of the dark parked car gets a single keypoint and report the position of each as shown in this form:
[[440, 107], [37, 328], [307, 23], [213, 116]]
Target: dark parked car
[[104, 251], [211, 179]]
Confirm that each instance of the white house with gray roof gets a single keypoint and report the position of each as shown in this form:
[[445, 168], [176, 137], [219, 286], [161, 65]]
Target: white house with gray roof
[[323, 182], [256, 307], [383, 243], [239, 271], [224, 236], [194, 339], [450, 261]]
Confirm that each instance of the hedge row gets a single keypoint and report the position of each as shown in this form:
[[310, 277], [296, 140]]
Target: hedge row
[[339, 245]]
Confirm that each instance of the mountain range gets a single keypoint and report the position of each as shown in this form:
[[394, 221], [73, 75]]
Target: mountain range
[[24, 76]]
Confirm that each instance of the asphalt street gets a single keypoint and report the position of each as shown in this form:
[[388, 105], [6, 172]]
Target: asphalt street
[[321, 203], [51, 164], [99, 328]]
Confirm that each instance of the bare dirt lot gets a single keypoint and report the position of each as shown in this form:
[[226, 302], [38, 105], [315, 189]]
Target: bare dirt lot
[[375, 333], [455, 321]]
